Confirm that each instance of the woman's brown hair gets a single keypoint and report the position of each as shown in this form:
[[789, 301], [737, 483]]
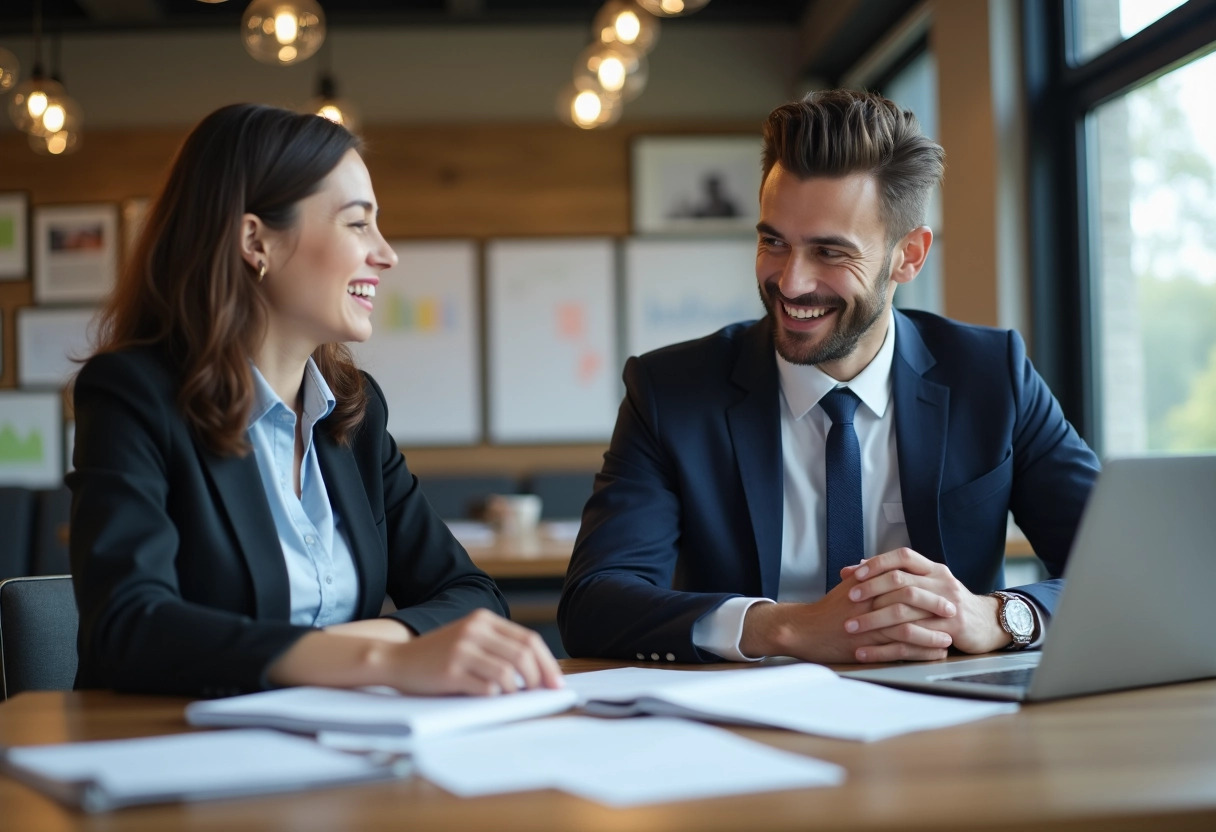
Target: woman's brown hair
[[188, 291]]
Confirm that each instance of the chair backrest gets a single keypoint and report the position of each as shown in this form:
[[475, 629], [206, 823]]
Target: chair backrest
[[38, 624], [17, 521]]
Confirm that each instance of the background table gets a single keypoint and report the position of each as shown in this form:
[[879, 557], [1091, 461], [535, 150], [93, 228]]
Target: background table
[[1141, 759]]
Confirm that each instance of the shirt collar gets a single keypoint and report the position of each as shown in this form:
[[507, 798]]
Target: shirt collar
[[319, 400], [805, 384]]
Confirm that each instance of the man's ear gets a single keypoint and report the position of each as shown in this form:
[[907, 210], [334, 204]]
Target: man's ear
[[253, 241], [910, 254]]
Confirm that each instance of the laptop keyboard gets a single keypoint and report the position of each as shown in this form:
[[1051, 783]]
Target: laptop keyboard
[[1017, 677]]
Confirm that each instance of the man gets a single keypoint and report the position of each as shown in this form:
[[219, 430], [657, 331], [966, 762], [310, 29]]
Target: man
[[831, 482]]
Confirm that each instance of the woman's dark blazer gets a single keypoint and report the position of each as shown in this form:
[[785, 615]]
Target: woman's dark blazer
[[179, 576]]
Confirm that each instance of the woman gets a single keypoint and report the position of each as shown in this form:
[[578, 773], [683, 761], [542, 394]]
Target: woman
[[238, 509]]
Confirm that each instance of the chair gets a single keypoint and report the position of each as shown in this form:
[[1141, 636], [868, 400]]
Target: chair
[[17, 520], [38, 623], [563, 493], [463, 496]]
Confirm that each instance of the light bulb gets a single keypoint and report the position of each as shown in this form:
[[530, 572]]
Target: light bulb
[[10, 70], [60, 113], [624, 22], [29, 101], [587, 107], [672, 8], [283, 32], [328, 105], [617, 70], [56, 144]]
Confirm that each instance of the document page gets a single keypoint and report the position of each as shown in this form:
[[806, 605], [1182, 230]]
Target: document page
[[375, 711], [97, 776], [616, 762], [799, 697]]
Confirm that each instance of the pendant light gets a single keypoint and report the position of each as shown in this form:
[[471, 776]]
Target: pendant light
[[626, 23], [587, 106], [617, 70], [283, 32], [327, 104], [672, 8], [10, 70], [30, 97]]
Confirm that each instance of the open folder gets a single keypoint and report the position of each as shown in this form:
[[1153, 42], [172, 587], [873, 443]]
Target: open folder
[[99, 776], [808, 698]]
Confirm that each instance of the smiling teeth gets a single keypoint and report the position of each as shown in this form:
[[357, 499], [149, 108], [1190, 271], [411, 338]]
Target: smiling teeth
[[795, 312], [363, 290]]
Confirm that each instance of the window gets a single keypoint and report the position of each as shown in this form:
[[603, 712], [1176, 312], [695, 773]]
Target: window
[[1123, 217]]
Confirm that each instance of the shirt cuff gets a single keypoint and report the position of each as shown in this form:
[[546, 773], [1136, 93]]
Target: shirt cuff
[[720, 630]]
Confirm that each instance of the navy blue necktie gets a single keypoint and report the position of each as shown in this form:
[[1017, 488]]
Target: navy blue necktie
[[843, 464]]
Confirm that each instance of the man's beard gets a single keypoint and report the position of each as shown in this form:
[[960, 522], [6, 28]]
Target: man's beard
[[851, 324]]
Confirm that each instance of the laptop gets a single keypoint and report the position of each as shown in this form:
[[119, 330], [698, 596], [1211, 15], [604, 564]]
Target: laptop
[[1138, 606]]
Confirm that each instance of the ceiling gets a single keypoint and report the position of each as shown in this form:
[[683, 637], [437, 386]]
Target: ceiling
[[16, 16]]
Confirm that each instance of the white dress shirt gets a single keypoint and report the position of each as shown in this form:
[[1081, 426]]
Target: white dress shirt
[[804, 432], [321, 574]]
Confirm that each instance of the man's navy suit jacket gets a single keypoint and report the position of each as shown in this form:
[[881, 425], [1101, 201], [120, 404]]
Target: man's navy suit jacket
[[687, 511]]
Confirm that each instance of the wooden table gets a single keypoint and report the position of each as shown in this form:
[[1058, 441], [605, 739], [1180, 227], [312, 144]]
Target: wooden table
[[1134, 760]]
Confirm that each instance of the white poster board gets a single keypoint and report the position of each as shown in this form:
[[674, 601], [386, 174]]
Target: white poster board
[[424, 348], [677, 290], [31, 439], [49, 343], [551, 333]]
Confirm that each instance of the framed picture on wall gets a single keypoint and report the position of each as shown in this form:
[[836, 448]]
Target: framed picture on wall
[[701, 184], [50, 342], [31, 439], [14, 235], [75, 252]]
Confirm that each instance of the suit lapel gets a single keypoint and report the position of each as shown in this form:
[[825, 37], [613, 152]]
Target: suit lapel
[[348, 496], [754, 423], [238, 483], [921, 422]]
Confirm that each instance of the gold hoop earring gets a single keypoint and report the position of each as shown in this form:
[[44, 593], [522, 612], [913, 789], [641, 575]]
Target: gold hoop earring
[[261, 271]]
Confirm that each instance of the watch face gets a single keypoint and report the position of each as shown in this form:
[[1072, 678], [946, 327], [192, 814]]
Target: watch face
[[1018, 617]]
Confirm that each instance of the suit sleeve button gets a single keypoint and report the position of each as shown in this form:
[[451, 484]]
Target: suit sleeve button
[[640, 657], [654, 656], [671, 657]]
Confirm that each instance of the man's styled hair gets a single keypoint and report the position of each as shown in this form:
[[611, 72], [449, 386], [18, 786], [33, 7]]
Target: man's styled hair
[[836, 133]]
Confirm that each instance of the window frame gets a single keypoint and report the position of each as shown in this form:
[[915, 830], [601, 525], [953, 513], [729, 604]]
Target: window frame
[[1060, 96]]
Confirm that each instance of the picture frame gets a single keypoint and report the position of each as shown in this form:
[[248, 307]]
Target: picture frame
[[14, 235], [695, 184], [31, 439], [50, 341], [75, 252]]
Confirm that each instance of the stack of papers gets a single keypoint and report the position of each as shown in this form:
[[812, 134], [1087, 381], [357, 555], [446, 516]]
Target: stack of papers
[[808, 698], [379, 711], [618, 763], [98, 776]]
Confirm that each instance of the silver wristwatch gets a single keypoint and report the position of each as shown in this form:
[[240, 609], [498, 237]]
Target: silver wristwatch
[[1015, 618]]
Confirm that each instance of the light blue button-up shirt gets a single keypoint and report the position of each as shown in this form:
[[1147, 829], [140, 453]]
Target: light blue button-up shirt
[[320, 570]]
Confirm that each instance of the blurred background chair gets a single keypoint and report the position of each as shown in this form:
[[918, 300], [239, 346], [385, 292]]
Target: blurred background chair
[[38, 623], [17, 521]]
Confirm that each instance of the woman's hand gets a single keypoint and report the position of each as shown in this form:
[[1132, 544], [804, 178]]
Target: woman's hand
[[481, 654]]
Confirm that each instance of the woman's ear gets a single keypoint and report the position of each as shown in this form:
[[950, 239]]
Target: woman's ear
[[253, 241]]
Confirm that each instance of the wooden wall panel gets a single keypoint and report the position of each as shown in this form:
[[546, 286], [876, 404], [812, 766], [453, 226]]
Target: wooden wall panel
[[433, 181]]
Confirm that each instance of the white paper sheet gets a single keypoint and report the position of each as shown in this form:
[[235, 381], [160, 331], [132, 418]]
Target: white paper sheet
[[379, 711], [618, 763], [105, 775], [800, 697]]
